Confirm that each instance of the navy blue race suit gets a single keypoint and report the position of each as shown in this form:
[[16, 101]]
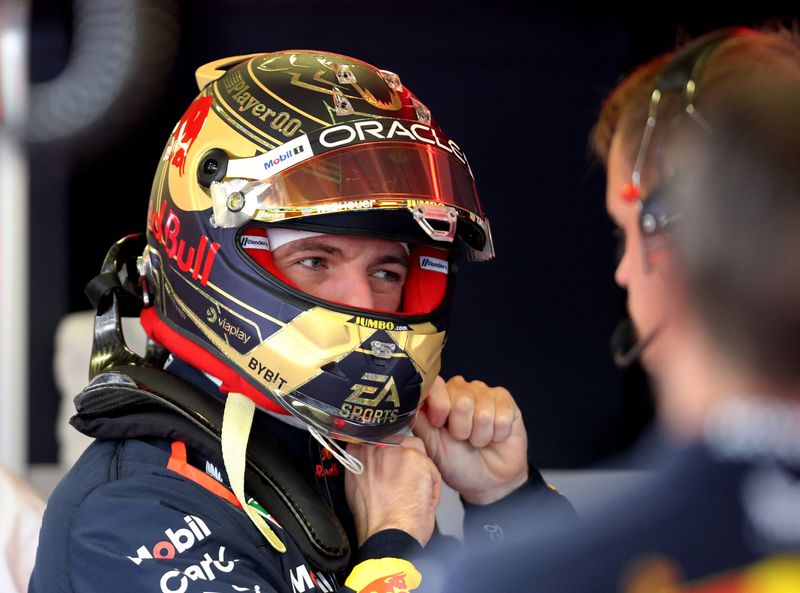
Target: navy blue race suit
[[153, 514], [722, 515]]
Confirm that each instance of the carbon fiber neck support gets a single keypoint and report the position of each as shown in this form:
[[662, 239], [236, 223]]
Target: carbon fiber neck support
[[131, 401]]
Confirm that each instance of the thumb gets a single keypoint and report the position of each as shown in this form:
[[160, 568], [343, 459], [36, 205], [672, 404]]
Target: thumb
[[427, 432]]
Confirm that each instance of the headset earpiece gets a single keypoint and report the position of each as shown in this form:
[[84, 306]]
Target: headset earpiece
[[656, 208]]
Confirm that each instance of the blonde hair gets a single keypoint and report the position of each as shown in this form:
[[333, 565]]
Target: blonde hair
[[740, 63]]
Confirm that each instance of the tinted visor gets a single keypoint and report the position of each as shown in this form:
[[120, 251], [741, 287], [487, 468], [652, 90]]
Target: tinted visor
[[388, 175]]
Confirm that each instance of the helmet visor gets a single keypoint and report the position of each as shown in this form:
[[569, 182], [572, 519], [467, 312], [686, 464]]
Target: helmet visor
[[392, 172], [379, 175]]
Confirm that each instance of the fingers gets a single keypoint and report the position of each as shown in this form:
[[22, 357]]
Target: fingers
[[478, 413], [438, 403], [356, 450], [385, 454], [436, 496], [506, 412], [415, 443], [463, 396], [399, 489], [423, 428], [483, 420]]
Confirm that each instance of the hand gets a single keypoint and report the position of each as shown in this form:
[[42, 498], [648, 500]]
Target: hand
[[399, 489], [475, 435]]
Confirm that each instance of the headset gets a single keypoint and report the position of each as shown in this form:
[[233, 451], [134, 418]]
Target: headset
[[657, 212]]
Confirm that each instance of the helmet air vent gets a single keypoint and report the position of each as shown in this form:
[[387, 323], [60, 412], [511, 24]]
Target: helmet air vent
[[392, 80], [344, 75], [342, 103], [423, 113]]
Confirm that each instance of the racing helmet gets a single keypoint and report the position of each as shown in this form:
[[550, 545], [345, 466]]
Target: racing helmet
[[318, 142]]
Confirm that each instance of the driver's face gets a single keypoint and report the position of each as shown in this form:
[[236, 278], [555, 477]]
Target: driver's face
[[356, 271]]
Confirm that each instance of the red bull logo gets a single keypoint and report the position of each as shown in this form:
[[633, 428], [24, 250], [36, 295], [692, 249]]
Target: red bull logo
[[328, 468], [166, 228], [186, 132]]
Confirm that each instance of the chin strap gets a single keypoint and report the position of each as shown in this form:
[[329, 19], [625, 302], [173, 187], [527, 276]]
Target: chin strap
[[236, 423], [348, 461]]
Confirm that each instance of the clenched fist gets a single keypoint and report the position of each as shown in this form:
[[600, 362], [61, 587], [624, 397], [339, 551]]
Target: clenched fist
[[475, 435]]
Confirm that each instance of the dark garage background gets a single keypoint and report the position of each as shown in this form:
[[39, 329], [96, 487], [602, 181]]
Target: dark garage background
[[518, 85]]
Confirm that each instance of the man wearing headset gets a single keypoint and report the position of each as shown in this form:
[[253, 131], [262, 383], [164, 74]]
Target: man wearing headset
[[303, 231], [702, 151]]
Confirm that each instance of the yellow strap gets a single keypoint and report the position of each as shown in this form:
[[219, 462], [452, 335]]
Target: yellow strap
[[236, 423], [384, 574]]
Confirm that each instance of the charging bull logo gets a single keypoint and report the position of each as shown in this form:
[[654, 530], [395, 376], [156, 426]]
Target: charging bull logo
[[320, 74], [384, 575], [394, 583], [186, 132]]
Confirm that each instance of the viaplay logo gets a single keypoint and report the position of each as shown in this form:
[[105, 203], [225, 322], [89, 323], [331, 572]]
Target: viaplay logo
[[177, 542]]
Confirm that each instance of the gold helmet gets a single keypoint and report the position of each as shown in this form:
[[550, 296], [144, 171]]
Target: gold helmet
[[312, 141]]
